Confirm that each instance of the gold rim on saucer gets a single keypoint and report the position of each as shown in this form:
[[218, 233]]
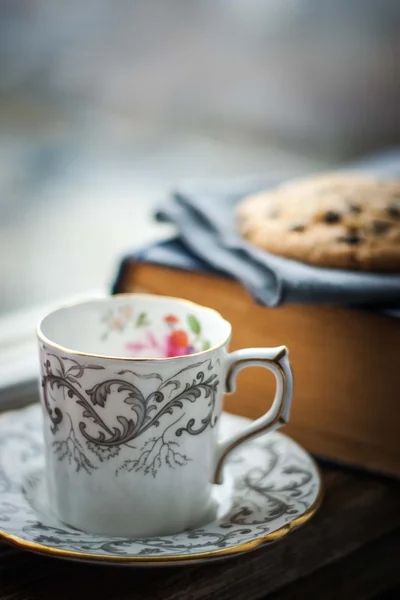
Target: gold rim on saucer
[[114, 558]]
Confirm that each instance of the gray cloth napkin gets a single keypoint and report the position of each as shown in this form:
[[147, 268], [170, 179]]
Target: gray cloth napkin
[[203, 212]]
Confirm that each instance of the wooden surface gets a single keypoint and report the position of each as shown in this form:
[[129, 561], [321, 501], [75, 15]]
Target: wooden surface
[[345, 365], [349, 550]]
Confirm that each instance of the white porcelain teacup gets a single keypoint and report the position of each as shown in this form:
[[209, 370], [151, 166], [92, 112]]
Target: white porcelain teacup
[[131, 390]]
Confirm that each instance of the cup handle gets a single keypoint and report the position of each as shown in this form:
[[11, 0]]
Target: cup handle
[[277, 361]]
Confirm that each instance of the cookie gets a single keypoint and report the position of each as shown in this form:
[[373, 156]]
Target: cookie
[[345, 220]]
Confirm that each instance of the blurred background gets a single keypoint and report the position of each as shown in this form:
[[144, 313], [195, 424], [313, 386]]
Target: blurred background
[[105, 105]]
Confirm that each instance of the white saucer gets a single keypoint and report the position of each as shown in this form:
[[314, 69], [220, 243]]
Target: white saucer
[[271, 485]]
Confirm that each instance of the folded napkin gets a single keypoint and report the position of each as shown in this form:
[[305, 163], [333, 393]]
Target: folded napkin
[[203, 213]]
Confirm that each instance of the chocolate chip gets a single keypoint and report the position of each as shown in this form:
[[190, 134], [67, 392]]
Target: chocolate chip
[[354, 208], [379, 227], [299, 228], [332, 217], [353, 239], [393, 210]]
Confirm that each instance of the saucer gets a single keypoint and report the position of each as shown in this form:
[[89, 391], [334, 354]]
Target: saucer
[[271, 486]]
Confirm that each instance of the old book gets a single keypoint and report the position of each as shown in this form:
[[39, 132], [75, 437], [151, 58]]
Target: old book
[[345, 362]]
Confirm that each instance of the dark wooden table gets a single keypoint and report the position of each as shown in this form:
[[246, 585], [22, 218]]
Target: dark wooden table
[[349, 550]]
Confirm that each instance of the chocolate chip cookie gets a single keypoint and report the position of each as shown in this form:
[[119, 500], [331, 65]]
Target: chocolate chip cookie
[[345, 220]]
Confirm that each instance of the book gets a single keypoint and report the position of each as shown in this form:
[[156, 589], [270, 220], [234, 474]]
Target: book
[[344, 360]]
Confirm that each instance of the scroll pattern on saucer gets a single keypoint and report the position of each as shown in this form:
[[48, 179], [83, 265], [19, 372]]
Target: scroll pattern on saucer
[[274, 484]]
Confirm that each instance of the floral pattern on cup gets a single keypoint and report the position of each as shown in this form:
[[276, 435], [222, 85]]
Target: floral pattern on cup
[[120, 319], [178, 339]]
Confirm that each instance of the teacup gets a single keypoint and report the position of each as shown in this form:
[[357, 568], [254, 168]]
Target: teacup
[[132, 388]]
